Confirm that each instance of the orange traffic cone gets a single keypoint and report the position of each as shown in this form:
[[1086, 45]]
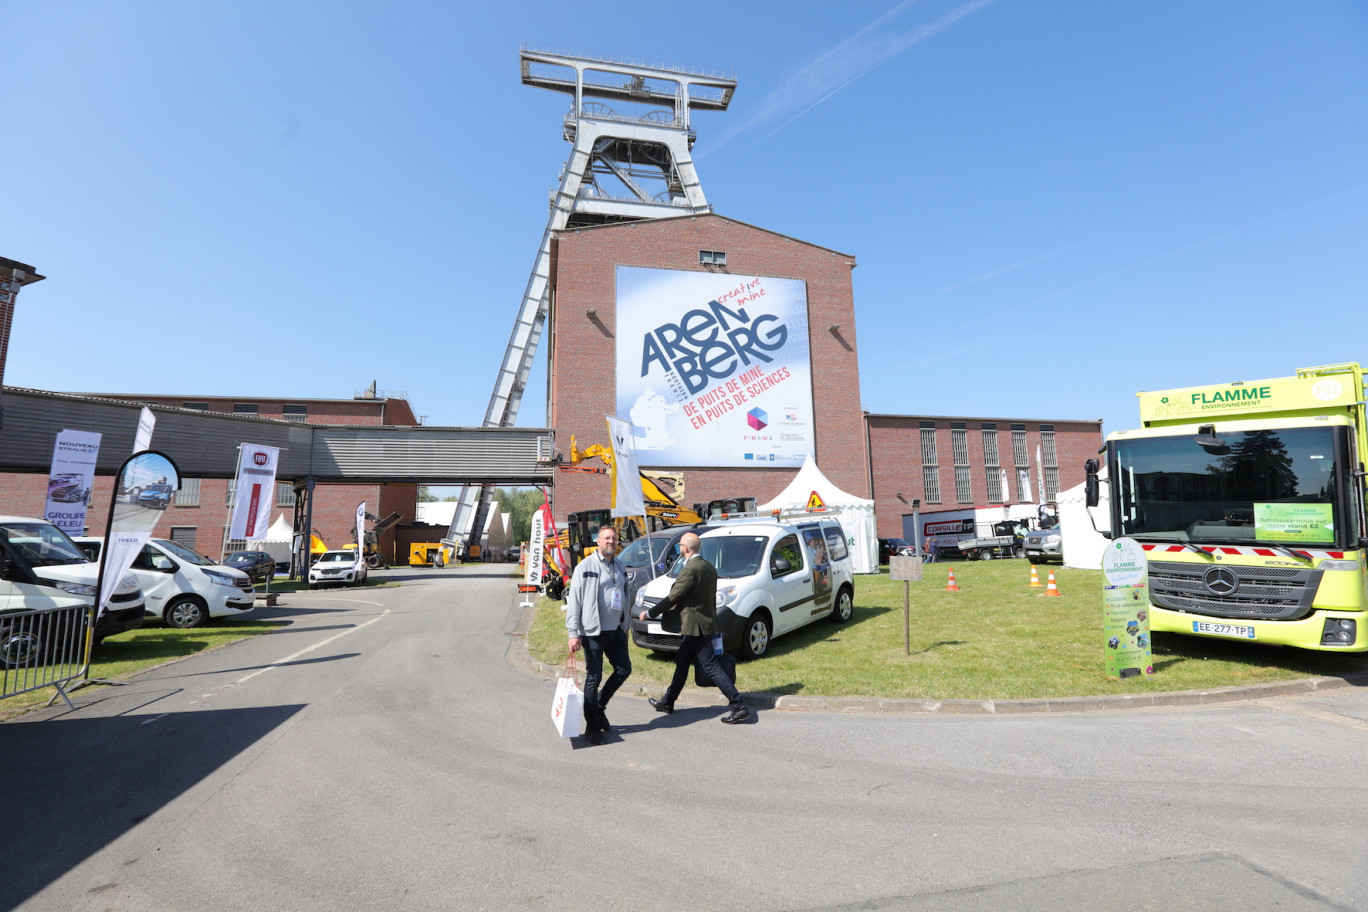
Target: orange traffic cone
[[950, 585], [1035, 578], [1052, 589]]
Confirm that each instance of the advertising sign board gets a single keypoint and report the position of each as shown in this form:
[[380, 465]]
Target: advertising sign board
[[1125, 610]]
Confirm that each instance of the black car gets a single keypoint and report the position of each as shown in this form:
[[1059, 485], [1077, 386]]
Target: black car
[[658, 548], [258, 565], [894, 546]]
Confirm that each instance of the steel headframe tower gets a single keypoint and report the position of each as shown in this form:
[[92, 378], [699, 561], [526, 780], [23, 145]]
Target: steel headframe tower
[[630, 135]]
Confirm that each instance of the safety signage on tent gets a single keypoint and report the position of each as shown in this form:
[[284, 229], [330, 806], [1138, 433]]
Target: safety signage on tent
[[815, 502]]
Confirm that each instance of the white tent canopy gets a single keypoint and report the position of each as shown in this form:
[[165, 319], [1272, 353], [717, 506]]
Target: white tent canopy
[[855, 514]]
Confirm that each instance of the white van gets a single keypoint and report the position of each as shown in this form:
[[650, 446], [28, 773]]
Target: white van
[[184, 588], [773, 576], [40, 567]]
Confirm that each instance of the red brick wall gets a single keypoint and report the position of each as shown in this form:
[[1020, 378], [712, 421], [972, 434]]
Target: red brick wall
[[895, 452], [583, 348]]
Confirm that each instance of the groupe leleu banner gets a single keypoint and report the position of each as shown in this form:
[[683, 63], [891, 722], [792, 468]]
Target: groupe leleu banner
[[255, 491], [69, 481], [714, 369]]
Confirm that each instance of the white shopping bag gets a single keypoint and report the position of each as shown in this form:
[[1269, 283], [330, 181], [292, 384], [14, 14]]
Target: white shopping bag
[[567, 709]]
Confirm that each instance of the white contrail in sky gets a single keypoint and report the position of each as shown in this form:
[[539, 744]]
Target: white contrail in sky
[[998, 272], [838, 67]]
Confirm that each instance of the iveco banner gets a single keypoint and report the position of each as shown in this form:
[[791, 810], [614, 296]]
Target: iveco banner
[[255, 491], [714, 369], [143, 489], [73, 469]]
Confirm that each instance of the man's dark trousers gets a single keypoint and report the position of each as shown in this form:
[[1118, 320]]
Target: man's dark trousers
[[613, 644], [699, 649]]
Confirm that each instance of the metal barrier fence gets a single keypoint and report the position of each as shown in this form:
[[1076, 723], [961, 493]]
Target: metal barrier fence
[[44, 647]]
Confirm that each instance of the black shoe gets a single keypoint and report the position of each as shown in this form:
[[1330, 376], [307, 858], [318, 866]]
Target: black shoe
[[736, 715], [660, 706], [595, 737]]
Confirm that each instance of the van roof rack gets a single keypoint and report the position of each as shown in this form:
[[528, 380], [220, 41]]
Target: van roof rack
[[792, 513]]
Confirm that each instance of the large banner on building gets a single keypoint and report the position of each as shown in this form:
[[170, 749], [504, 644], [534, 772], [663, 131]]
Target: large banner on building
[[69, 482], [714, 369]]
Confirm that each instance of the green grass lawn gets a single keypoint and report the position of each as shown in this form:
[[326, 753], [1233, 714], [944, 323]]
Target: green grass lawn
[[995, 639], [150, 645]]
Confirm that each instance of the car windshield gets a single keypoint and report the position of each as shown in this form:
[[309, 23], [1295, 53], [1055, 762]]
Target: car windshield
[[184, 553], [635, 555], [160, 488], [733, 556], [338, 557], [42, 544]]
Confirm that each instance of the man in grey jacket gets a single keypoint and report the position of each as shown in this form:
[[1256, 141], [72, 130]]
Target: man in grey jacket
[[596, 618]]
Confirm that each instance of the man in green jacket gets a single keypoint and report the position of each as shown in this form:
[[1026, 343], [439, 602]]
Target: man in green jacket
[[694, 596]]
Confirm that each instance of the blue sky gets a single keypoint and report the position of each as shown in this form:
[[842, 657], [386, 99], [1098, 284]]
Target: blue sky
[[1053, 203]]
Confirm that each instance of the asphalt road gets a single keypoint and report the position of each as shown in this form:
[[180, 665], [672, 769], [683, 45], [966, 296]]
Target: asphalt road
[[382, 752]]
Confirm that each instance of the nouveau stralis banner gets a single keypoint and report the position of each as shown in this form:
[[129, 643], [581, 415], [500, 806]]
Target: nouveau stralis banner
[[714, 369]]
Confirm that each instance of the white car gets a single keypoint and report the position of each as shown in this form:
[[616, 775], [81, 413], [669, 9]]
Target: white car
[[345, 567], [183, 587], [773, 576]]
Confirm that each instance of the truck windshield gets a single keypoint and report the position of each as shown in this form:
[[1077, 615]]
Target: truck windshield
[[42, 544], [1271, 486]]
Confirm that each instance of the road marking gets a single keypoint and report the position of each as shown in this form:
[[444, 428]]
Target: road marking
[[308, 649], [154, 719], [1319, 715]]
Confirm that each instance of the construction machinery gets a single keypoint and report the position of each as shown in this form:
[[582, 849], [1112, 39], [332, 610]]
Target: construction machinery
[[374, 559]]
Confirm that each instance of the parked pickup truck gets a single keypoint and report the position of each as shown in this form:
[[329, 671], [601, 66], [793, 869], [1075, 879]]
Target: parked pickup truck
[[1006, 541]]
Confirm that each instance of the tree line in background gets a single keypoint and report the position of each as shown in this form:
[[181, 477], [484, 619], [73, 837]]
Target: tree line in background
[[519, 503]]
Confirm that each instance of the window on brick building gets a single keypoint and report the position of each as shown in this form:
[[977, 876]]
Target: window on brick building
[[285, 496], [197, 406], [992, 466], [298, 413], [930, 463], [231, 489], [959, 449], [1049, 461], [712, 257], [1020, 461], [245, 408], [184, 535], [189, 493]]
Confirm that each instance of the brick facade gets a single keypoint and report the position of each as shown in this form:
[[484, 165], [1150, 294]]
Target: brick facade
[[582, 382], [896, 458]]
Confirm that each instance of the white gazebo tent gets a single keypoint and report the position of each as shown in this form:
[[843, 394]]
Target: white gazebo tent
[[855, 514], [277, 542]]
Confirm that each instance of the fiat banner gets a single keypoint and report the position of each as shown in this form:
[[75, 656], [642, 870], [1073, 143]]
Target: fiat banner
[[255, 491], [714, 369], [73, 470]]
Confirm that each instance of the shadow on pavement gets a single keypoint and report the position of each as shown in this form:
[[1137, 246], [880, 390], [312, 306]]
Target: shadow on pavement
[[74, 784]]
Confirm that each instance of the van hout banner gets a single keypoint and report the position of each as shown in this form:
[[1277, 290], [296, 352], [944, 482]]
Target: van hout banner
[[69, 481], [714, 369], [143, 489], [255, 491], [536, 541]]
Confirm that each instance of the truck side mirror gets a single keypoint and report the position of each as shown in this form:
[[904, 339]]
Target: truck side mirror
[[1091, 493]]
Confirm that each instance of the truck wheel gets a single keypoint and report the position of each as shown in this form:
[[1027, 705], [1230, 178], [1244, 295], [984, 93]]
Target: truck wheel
[[987, 555]]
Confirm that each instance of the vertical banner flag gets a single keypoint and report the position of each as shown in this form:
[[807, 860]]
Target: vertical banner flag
[[142, 440], [1125, 610], [536, 542], [714, 369], [73, 470], [1040, 477], [1024, 479], [255, 491], [143, 489], [627, 497], [1006, 491], [361, 529]]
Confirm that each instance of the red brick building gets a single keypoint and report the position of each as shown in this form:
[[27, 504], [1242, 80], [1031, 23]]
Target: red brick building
[[584, 344], [952, 463]]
